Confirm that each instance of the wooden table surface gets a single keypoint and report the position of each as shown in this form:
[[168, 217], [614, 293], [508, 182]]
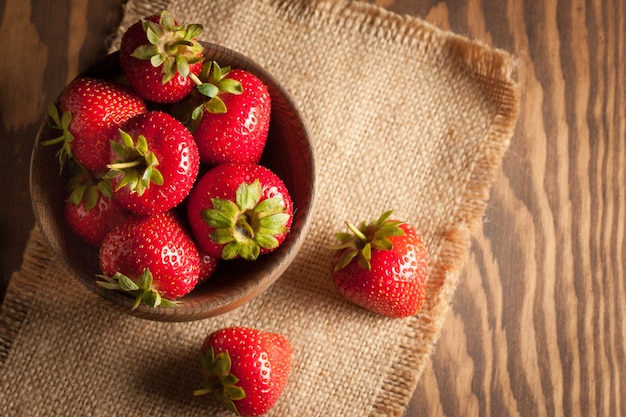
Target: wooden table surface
[[538, 323]]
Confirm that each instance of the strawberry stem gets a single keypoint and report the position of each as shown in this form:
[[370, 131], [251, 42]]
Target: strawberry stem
[[125, 165], [356, 232], [243, 225], [195, 79]]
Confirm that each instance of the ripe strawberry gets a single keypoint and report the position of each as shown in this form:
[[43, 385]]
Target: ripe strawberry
[[91, 112], [382, 266], [161, 58], [151, 257], [90, 210], [232, 126], [154, 163], [208, 264], [245, 369], [239, 211]]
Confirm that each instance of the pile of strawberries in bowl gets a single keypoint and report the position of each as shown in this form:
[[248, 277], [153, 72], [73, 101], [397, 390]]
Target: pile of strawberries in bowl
[[175, 178]]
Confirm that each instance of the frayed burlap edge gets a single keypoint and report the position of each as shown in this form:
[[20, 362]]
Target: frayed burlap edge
[[402, 381], [488, 66]]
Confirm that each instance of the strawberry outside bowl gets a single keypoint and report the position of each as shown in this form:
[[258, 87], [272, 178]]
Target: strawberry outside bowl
[[288, 152]]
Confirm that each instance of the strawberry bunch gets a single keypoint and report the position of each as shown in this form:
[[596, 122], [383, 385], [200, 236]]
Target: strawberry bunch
[[163, 164]]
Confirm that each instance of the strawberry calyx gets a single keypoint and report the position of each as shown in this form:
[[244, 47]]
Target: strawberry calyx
[[248, 224], [134, 163], [60, 122], [219, 381], [359, 242], [173, 47], [84, 188], [141, 288], [214, 80]]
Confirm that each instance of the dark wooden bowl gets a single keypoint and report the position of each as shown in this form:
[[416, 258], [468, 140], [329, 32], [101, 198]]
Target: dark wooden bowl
[[288, 153]]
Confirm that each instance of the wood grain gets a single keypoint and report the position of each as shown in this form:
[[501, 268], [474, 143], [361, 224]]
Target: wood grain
[[537, 327]]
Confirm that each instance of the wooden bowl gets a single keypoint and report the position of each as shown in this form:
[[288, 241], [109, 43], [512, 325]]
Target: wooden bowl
[[288, 153]]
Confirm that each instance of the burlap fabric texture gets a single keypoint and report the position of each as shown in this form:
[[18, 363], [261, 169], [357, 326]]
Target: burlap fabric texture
[[403, 116]]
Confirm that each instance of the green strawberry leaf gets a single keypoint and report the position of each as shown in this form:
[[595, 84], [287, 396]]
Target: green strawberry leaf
[[209, 90], [167, 20], [363, 239], [197, 112], [148, 52], [365, 257], [215, 105], [171, 47], [229, 379], [151, 298], [266, 241], [221, 365], [140, 288], [228, 85], [248, 196], [193, 30], [53, 112], [91, 197], [182, 65], [125, 283], [223, 215], [135, 164], [105, 188], [247, 224], [234, 393], [77, 194], [61, 123]]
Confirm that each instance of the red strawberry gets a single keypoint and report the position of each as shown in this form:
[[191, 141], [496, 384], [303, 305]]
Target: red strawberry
[[239, 211], [90, 210], [246, 369], [233, 125], [208, 264], [154, 163], [91, 112], [158, 56], [150, 257], [382, 266]]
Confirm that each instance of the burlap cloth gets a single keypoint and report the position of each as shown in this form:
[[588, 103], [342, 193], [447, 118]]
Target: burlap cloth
[[403, 116]]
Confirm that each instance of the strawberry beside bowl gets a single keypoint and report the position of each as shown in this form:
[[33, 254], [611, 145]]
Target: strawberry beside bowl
[[288, 153]]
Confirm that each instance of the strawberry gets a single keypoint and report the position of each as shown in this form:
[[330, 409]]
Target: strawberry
[[154, 163], [208, 264], [90, 210], [245, 369], [239, 211], [233, 125], [151, 257], [161, 58], [91, 112], [382, 266]]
